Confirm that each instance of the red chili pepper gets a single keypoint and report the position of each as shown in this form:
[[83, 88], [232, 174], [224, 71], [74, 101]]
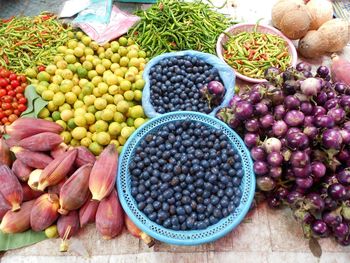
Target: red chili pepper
[[8, 20], [6, 59]]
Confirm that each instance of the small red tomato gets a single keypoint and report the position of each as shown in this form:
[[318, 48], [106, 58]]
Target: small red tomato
[[16, 111], [11, 93], [41, 68], [23, 79], [14, 105], [8, 112], [14, 99], [9, 87], [13, 76], [24, 85], [3, 82], [5, 73], [6, 106], [14, 83], [3, 92], [22, 107], [19, 89], [4, 120], [2, 115], [13, 117], [19, 95], [22, 100], [7, 99]]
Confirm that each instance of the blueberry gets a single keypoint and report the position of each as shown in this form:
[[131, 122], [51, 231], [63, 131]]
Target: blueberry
[[157, 205], [185, 200], [202, 225], [212, 179], [231, 208], [229, 192], [215, 200], [148, 209], [236, 201], [213, 220], [236, 181], [162, 215], [168, 193], [178, 196], [140, 198], [153, 216], [239, 173], [134, 191], [167, 223], [201, 217], [171, 200], [190, 222], [172, 210], [174, 221], [141, 205], [200, 208], [217, 213]]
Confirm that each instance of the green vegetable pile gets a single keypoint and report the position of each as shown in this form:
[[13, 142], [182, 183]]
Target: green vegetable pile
[[172, 25], [30, 41]]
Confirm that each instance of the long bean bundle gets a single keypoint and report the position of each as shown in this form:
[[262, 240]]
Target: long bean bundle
[[30, 41], [172, 25]]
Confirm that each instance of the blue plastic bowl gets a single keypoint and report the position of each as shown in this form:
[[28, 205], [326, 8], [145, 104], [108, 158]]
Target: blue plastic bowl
[[227, 75], [195, 237]]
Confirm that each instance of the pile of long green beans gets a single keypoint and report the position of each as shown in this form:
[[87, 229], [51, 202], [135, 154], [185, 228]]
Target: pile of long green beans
[[251, 53], [173, 25], [30, 41]]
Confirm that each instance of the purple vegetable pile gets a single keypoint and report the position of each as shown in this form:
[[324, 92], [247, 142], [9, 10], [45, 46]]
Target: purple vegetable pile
[[297, 128]]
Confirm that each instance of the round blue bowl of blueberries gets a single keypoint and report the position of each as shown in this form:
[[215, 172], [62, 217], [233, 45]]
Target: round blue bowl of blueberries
[[185, 178]]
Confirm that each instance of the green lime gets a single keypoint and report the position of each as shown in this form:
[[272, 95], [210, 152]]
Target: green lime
[[56, 115], [82, 72], [71, 124], [72, 68], [95, 148], [130, 122]]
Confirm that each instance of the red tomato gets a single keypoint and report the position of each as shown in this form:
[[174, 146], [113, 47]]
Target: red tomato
[[2, 115], [14, 83], [23, 79], [19, 95], [3, 82], [14, 99], [17, 112], [13, 117], [41, 68], [6, 106], [5, 73], [8, 112], [22, 100], [19, 89], [24, 85], [7, 99], [3, 92], [9, 87], [13, 76], [4, 120], [22, 107], [11, 93], [14, 105]]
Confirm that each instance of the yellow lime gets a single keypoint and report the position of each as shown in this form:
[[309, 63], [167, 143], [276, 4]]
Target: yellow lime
[[119, 117], [92, 74], [87, 90], [66, 136], [101, 126], [80, 121], [117, 98], [51, 69], [108, 98], [58, 99], [79, 112], [120, 149], [96, 80], [123, 41], [91, 109], [107, 115], [57, 79], [106, 63], [89, 100], [102, 88], [129, 95], [90, 118], [88, 51], [88, 65], [40, 89], [83, 82], [96, 92], [92, 128], [115, 142], [61, 64], [113, 89], [94, 45], [54, 87], [72, 68], [124, 61], [75, 142], [138, 95], [142, 54], [62, 124], [78, 104], [139, 84], [31, 72], [70, 97], [138, 122], [123, 106], [47, 95], [125, 85], [126, 132], [72, 43], [51, 106], [114, 46], [65, 106], [121, 140], [78, 52], [103, 138], [62, 49], [137, 112], [95, 148], [112, 107], [119, 72], [44, 113], [100, 50], [100, 103], [100, 69], [79, 133], [85, 142], [43, 76], [76, 90], [82, 72], [48, 119], [66, 115], [114, 128]]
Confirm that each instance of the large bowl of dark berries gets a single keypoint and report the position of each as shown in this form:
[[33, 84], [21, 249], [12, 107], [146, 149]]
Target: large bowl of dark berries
[[185, 178], [186, 81]]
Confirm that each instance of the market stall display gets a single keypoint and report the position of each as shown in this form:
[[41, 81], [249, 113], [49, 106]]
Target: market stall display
[[77, 148]]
